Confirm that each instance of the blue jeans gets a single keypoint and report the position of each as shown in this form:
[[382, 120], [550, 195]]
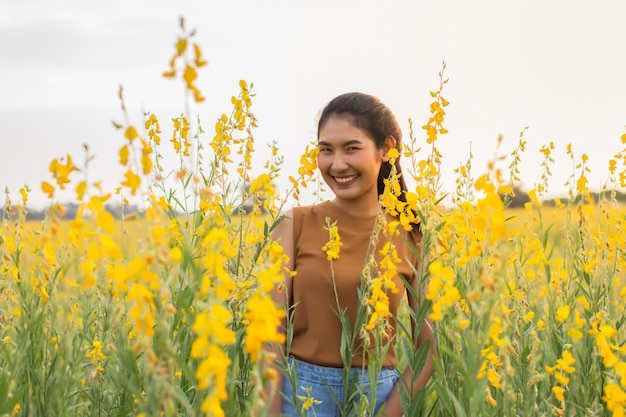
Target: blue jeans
[[326, 385]]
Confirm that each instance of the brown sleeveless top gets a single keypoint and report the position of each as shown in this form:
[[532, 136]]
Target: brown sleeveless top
[[316, 325]]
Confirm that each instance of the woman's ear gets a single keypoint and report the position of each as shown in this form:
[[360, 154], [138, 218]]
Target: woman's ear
[[390, 143]]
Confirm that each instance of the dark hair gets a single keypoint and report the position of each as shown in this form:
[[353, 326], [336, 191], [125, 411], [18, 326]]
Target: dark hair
[[369, 114]]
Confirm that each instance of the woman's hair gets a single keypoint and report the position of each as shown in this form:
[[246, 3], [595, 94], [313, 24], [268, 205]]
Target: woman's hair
[[369, 114]]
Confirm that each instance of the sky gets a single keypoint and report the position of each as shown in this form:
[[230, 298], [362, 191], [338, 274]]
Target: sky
[[556, 67]]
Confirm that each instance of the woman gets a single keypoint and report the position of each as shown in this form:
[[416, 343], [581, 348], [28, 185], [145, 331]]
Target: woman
[[355, 133]]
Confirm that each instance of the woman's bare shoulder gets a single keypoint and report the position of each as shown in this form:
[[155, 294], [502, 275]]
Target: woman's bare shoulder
[[284, 225]]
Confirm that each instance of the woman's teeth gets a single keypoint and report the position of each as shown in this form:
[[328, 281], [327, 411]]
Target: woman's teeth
[[345, 179]]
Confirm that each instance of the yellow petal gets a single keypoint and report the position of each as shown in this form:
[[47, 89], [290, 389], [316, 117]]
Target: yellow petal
[[81, 189], [124, 154], [131, 133], [181, 46], [48, 188], [190, 74]]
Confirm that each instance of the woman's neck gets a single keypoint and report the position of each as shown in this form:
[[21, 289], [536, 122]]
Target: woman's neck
[[357, 209]]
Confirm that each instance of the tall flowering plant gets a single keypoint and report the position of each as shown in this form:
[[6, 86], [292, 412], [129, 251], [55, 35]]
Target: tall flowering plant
[[166, 311]]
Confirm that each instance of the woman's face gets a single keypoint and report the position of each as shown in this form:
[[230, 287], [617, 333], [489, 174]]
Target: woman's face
[[349, 161]]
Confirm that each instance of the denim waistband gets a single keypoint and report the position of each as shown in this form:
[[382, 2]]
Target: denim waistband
[[334, 376]]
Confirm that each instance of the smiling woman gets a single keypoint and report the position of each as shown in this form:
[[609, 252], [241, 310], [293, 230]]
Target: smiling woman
[[357, 135]]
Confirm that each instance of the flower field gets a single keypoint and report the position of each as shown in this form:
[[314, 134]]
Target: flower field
[[167, 312]]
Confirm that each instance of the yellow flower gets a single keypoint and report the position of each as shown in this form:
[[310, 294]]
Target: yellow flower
[[175, 254], [44, 293], [558, 392], [124, 155], [562, 313], [609, 359], [61, 171], [95, 354], [381, 312], [308, 162], [615, 398], [490, 400], [212, 373], [48, 189], [332, 246], [393, 154], [307, 400], [264, 321], [105, 221], [81, 189], [561, 378], [493, 378], [219, 249], [213, 324], [566, 362], [131, 133], [579, 321], [575, 333], [495, 330], [132, 181], [308, 403], [441, 289]]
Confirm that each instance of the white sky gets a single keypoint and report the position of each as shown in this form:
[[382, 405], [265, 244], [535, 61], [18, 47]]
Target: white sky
[[556, 66]]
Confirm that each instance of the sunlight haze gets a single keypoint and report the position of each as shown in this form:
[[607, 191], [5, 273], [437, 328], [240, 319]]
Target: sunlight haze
[[555, 66]]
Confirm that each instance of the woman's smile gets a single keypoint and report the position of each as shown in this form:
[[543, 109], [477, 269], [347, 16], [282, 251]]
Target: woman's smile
[[345, 180]]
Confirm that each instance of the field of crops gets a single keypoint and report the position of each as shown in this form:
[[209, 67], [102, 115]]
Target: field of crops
[[166, 312]]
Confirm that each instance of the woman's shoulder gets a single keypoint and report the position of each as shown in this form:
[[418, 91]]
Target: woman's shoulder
[[293, 222], [311, 209], [296, 213]]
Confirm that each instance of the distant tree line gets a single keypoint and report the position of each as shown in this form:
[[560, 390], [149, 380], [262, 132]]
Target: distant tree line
[[70, 210], [520, 198]]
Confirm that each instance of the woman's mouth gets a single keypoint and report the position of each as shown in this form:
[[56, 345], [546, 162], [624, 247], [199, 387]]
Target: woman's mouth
[[344, 180]]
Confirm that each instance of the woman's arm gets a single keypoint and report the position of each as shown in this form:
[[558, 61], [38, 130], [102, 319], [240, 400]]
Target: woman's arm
[[283, 233], [393, 407]]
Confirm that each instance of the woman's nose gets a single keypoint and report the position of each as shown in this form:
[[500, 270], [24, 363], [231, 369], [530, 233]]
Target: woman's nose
[[339, 162]]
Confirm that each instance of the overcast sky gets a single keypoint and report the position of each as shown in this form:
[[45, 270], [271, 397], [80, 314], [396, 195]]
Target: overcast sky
[[556, 66]]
